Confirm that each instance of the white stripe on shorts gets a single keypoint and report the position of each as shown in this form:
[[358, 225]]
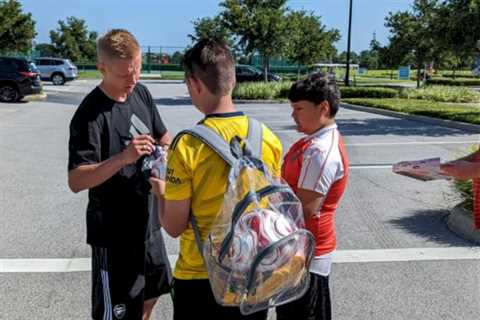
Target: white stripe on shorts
[[107, 302]]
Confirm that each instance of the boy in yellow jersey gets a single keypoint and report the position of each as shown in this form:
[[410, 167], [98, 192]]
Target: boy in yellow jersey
[[197, 178]]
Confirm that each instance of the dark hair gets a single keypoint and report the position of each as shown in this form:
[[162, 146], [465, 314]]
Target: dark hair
[[212, 62], [316, 88]]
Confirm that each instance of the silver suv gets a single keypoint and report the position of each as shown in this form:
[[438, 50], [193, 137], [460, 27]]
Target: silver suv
[[56, 70]]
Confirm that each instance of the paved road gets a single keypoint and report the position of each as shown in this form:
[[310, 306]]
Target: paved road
[[395, 260]]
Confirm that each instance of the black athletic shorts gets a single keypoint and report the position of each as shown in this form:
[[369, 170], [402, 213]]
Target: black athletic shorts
[[314, 305], [122, 281], [193, 299]]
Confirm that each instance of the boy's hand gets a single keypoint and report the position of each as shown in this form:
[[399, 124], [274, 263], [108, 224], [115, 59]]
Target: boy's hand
[[158, 186]]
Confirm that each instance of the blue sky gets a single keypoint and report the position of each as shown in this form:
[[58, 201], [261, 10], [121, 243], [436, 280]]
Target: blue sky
[[168, 22]]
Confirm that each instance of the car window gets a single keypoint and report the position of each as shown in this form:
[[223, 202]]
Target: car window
[[57, 62], [250, 71], [12, 65], [245, 71], [21, 65], [4, 65], [46, 62]]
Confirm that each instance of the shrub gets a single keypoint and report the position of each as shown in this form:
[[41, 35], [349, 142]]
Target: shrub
[[279, 90], [464, 76], [262, 90], [454, 82], [366, 92], [464, 188], [442, 94]]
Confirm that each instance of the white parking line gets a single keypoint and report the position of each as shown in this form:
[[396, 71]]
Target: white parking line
[[408, 143], [341, 256], [407, 254]]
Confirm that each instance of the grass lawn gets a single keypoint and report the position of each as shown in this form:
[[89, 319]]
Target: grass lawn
[[89, 74], [469, 113]]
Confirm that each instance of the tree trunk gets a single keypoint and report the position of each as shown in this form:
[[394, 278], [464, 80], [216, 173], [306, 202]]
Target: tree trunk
[[418, 75], [298, 72], [265, 68]]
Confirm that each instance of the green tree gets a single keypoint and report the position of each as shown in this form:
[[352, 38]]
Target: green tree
[[308, 39], [45, 50], [368, 59], [458, 31], [390, 57], [260, 26], [211, 28], [17, 29], [177, 57], [354, 57], [371, 57], [73, 40], [414, 33]]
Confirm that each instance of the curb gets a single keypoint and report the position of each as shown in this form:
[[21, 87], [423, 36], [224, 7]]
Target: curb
[[460, 222], [36, 97], [475, 128]]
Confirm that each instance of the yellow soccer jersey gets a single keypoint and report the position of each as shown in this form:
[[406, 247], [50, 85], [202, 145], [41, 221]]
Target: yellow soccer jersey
[[195, 171]]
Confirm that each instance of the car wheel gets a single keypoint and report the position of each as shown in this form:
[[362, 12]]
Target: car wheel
[[8, 93], [58, 79]]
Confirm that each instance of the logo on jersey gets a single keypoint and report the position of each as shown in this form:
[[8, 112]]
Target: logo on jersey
[[137, 127], [119, 311]]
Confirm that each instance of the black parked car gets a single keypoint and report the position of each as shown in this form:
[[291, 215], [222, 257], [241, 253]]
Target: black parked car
[[245, 73], [18, 78]]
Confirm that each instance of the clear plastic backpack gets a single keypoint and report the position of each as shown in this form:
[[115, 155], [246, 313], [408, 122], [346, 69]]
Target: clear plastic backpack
[[258, 251]]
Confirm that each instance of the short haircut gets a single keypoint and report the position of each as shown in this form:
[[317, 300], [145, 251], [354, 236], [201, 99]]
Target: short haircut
[[211, 62], [317, 88], [117, 44]]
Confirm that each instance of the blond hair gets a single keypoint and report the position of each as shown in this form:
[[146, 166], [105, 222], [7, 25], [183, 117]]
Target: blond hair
[[117, 44]]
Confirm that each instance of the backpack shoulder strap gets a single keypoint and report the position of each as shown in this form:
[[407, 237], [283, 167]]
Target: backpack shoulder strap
[[210, 138], [255, 137], [222, 148], [218, 145]]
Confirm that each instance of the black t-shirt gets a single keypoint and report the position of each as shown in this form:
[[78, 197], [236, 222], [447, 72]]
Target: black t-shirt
[[117, 210]]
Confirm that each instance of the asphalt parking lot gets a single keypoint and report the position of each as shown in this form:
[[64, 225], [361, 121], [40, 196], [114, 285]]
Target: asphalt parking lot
[[395, 260]]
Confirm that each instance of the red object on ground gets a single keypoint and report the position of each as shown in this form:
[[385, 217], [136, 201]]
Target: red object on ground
[[476, 197], [476, 202]]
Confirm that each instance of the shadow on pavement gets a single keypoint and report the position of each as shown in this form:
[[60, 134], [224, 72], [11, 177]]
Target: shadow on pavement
[[177, 101], [429, 225], [394, 126], [73, 99]]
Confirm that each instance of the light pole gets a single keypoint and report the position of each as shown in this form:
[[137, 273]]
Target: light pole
[[347, 74]]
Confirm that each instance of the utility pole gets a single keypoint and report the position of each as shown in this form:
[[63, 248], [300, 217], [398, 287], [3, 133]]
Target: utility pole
[[347, 74], [149, 64]]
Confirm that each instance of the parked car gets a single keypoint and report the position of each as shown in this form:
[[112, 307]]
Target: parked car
[[18, 78], [57, 70], [245, 73]]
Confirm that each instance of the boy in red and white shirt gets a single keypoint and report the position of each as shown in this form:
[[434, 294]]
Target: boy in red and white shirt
[[316, 168]]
